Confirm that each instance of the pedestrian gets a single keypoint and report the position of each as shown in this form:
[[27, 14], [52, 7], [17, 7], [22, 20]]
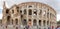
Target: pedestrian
[[27, 27], [58, 28], [49, 28]]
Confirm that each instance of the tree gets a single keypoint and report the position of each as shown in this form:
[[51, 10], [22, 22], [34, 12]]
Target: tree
[[58, 22]]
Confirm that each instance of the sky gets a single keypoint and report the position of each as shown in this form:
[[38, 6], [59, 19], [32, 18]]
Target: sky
[[53, 3]]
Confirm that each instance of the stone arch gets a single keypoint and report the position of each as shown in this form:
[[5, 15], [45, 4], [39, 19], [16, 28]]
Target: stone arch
[[12, 21], [20, 11], [24, 22], [16, 21], [34, 22], [17, 9], [30, 6], [40, 12], [39, 22], [30, 12], [44, 21], [47, 22], [29, 19], [35, 12], [12, 11], [8, 19], [29, 22], [25, 11], [7, 11]]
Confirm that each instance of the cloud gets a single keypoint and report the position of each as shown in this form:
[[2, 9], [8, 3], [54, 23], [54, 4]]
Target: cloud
[[58, 17], [1, 16], [0, 11]]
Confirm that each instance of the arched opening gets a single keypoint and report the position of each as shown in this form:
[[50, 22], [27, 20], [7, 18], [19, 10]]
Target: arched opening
[[44, 22], [24, 22], [25, 11], [16, 21], [20, 11], [48, 9], [12, 11], [30, 6], [8, 19], [40, 12], [47, 22], [29, 22], [30, 12], [29, 19], [12, 21], [21, 16], [34, 22], [50, 23], [48, 15], [7, 11], [40, 22], [35, 12], [17, 9]]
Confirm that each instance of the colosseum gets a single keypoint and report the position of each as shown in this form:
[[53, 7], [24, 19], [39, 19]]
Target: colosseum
[[28, 15]]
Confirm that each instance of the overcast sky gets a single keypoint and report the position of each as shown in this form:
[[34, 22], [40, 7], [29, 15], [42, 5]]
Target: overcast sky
[[53, 3]]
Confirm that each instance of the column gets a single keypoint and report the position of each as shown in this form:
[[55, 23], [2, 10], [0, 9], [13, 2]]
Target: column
[[46, 20], [32, 22], [41, 24], [32, 17], [10, 21], [46, 25], [18, 21], [14, 21], [27, 15], [38, 15], [49, 23]]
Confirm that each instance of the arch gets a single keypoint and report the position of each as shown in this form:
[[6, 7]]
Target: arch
[[44, 22], [40, 22], [12, 11], [20, 11], [30, 6], [35, 12], [24, 22], [17, 9], [47, 22], [12, 21], [29, 22], [8, 19], [25, 11], [7, 11], [21, 16], [16, 21], [40, 12], [48, 15], [34, 22], [30, 12], [29, 19]]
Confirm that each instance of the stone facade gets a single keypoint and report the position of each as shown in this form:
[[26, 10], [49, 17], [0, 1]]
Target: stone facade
[[36, 15]]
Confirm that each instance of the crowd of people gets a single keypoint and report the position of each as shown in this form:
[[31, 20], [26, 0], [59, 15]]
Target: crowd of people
[[58, 27]]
